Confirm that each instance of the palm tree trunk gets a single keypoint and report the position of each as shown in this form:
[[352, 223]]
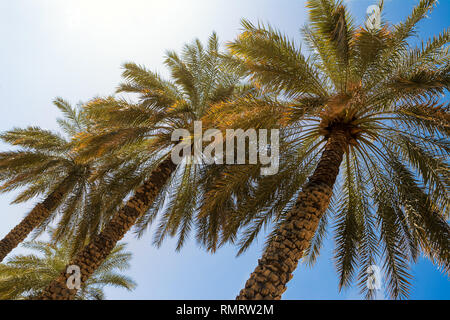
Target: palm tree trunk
[[94, 253], [275, 268], [37, 215]]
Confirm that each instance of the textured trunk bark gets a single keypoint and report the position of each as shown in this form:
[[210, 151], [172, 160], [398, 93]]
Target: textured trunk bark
[[280, 259], [39, 213], [93, 254]]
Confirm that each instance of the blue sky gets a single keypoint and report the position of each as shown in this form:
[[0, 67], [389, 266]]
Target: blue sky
[[74, 49]]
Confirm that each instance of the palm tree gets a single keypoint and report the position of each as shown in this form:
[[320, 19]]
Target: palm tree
[[366, 103], [46, 165], [24, 276], [163, 106]]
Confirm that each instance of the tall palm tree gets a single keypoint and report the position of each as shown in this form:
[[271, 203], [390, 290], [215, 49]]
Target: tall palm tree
[[24, 276], [45, 164], [163, 106], [365, 103]]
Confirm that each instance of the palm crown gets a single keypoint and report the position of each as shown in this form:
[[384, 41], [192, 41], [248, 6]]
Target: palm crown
[[364, 136], [48, 164], [381, 98]]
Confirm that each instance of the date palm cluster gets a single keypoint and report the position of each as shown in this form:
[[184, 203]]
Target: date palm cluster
[[364, 142]]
